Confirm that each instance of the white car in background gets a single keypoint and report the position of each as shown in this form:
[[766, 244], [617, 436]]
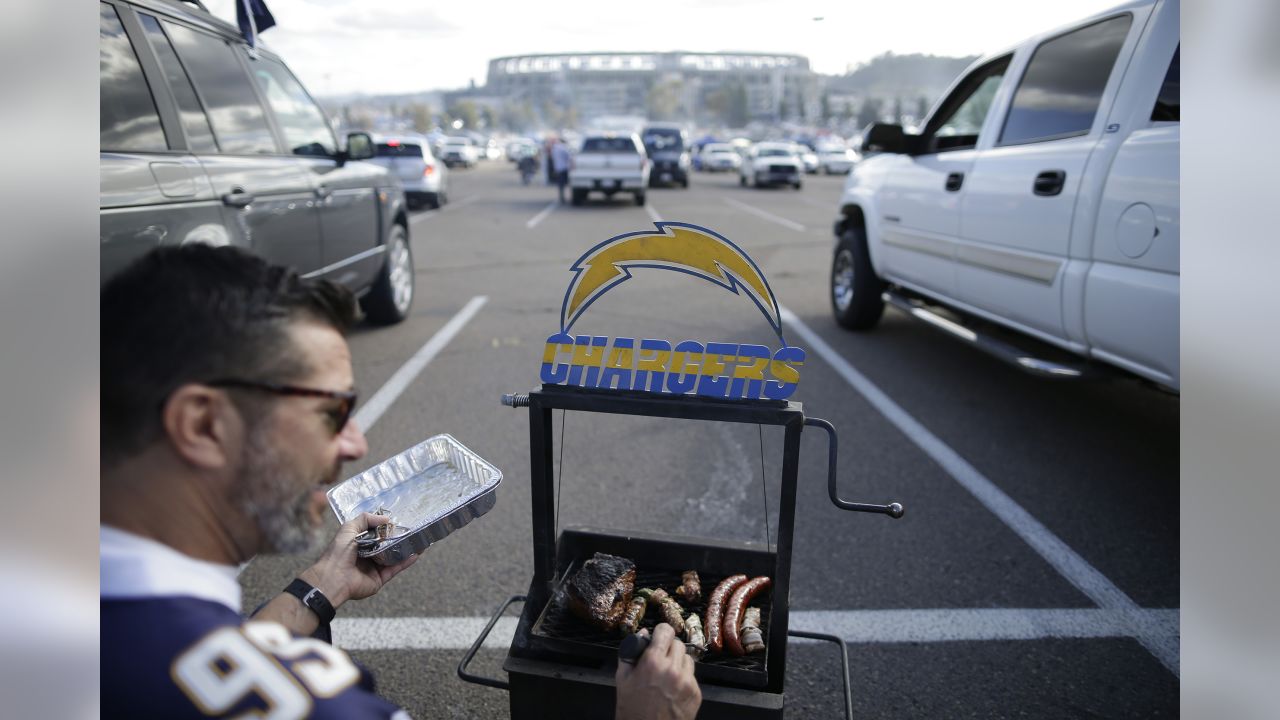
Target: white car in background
[[720, 157], [408, 157], [808, 158], [836, 160], [771, 163], [458, 150]]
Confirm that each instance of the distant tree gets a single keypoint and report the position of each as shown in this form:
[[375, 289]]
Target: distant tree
[[738, 110], [826, 107], [663, 99], [465, 110], [897, 110], [869, 112], [783, 109], [716, 104], [486, 117], [420, 117]]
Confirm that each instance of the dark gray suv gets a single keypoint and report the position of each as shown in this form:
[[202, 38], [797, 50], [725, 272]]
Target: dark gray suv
[[203, 140]]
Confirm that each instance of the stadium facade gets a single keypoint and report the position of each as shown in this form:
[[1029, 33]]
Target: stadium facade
[[620, 83]]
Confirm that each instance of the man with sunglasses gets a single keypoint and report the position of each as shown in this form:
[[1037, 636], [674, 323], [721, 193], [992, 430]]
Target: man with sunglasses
[[226, 413]]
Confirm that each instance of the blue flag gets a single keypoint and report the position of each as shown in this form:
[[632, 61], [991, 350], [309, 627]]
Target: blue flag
[[262, 19]]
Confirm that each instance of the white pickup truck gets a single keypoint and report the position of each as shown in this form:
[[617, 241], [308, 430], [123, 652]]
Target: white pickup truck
[[609, 163], [1035, 214]]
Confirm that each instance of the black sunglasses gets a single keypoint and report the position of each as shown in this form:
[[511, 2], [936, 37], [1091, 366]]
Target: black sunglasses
[[339, 416]]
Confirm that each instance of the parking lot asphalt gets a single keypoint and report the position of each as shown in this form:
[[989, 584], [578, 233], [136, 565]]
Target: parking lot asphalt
[[1035, 573]]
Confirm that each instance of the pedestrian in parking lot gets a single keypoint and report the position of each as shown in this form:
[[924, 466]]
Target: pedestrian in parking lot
[[226, 411], [561, 162]]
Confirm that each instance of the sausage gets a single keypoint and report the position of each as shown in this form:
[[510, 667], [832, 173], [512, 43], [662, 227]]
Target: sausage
[[736, 607], [713, 623], [690, 587], [667, 606], [634, 614]]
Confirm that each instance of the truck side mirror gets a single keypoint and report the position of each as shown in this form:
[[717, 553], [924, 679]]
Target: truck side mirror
[[359, 146], [885, 138]]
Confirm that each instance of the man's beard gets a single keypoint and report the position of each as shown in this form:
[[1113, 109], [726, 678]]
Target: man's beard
[[271, 496]]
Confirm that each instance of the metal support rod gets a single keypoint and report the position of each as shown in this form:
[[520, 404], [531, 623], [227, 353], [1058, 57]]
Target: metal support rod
[[893, 510], [475, 647], [844, 662]]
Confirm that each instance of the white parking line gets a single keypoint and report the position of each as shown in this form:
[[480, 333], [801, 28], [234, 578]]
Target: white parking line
[[451, 206], [766, 215], [855, 626], [533, 221], [653, 213], [369, 413], [1066, 561]]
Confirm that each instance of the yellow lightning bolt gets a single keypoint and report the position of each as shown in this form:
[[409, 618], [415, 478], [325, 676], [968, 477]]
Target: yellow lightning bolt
[[679, 247]]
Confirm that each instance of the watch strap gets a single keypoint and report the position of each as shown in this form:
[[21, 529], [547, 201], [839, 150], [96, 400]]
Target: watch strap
[[313, 599]]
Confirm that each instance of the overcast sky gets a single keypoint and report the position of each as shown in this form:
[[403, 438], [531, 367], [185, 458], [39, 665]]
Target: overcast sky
[[395, 46]]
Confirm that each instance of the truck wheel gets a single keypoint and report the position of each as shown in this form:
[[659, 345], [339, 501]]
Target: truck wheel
[[742, 180], [855, 289], [579, 196], [640, 197], [391, 297]]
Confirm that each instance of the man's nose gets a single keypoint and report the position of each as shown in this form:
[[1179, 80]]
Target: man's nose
[[351, 442]]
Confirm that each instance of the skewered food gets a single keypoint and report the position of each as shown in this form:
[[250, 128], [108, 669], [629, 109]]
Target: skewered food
[[671, 613], [752, 639], [713, 625], [734, 610], [690, 589], [634, 614], [601, 590], [695, 639]]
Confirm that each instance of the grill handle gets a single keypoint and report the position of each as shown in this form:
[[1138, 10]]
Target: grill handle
[[893, 510], [475, 647], [844, 661]]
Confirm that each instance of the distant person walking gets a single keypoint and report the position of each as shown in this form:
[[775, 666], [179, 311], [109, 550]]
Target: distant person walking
[[560, 164], [546, 153]]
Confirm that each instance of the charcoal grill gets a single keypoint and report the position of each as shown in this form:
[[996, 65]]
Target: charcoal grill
[[559, 667]]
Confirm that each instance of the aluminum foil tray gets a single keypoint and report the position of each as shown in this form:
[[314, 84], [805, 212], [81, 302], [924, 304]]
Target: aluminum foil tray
[[430, 490]]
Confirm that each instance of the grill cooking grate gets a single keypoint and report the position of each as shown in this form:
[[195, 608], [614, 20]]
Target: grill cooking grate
[[571, 634]]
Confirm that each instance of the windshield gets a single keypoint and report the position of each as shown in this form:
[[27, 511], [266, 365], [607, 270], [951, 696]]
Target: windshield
[[774, 152], [718, 149], [606, 145], [398, 149], [663, 139]]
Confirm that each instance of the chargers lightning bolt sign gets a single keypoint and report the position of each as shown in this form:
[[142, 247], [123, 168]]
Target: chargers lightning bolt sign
[[714, 369]]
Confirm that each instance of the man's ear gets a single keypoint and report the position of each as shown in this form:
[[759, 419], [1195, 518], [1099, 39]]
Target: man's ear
[[203, 426]]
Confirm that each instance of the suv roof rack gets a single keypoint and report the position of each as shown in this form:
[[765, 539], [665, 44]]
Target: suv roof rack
[[197, 3]]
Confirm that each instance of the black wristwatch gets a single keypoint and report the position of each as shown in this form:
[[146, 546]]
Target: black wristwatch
[[313, 599]]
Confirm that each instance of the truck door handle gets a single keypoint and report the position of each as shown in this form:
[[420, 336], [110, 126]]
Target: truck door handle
[[954, 181], [237, 198], [1049, 183], [323, 192]]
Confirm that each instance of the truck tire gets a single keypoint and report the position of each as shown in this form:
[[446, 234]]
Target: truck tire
[[579, 196], [855, 288], [391, 297], [640, 197], [742, 180]]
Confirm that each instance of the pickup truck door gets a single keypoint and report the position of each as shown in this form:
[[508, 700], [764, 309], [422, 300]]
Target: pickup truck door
[[1016, 217], [919, 206]]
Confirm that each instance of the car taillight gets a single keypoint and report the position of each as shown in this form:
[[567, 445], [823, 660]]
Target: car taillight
[[428, 170]]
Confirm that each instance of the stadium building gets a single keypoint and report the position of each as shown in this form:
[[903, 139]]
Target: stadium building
[[691, 84]]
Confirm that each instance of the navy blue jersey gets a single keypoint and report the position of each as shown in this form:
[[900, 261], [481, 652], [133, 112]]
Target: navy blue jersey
[[177, 657]]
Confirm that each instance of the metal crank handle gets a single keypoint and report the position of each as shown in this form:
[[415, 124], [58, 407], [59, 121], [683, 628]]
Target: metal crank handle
[[893, 510]]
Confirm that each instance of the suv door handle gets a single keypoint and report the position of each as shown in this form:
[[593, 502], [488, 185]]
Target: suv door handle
[[237, 198], [1049, 183], [323, 191], [954, 181]]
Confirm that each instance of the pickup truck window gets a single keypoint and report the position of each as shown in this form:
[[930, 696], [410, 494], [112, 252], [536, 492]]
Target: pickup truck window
[[609, 145], [959, 119], [1166, 108], [1062, 86]]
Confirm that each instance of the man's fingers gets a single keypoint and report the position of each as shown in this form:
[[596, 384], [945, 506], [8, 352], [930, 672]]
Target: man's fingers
[[394, 570], [663, 636]]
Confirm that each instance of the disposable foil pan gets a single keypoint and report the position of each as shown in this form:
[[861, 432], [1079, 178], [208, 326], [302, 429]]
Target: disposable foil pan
[[429, 490]]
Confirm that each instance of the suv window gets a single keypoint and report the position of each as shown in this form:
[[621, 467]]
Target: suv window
[[1166, 108], [959, 119], [609, 145], [194, 121], [399, 149], [306, 132], [128, 119], [238, 120], [1062, 87]]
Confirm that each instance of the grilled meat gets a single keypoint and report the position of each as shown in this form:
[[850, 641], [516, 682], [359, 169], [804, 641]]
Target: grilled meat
[[752, 638], [715, 615], [736, 606], [671, 613], [634, 614], [601, 590], [695, 639], [690, 589]]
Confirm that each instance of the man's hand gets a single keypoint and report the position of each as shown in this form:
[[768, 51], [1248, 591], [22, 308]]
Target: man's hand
[[339, 573], [660, 686]]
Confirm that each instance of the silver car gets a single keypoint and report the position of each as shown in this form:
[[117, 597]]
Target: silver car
[[408, 157], [202, 141]]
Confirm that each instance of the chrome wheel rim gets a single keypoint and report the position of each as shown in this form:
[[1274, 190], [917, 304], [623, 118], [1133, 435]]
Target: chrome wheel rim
[[401, 275], [842, 280]]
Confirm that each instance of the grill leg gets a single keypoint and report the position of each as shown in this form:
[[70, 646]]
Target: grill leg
[[475, 647], [844, 663]]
